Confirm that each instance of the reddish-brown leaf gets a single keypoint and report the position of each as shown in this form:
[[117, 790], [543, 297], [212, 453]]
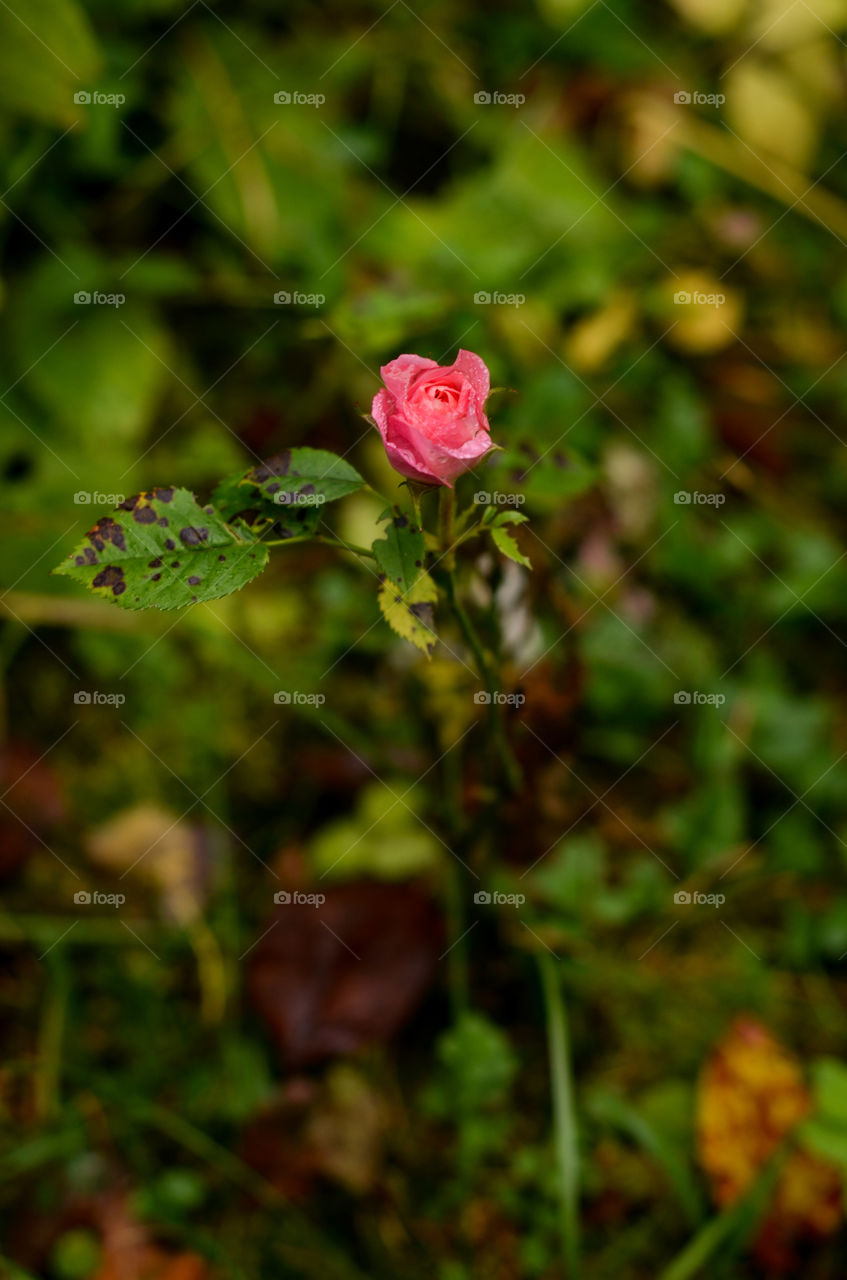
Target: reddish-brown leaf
[[329, 980]]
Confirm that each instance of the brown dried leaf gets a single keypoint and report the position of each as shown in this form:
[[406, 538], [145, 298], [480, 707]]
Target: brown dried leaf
[[33, 803], [329, 980]]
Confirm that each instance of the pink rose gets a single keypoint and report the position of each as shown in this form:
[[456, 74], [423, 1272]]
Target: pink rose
[[432, 417]]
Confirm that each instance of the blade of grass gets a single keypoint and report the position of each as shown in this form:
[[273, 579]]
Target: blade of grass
[[616, 1113], [733, 1226], [564, 1111]]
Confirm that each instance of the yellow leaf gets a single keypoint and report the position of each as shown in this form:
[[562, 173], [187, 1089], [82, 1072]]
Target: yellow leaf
[[714, 16], [595, 338], [783, 24], [705, 312], [765, 109], [409, 613], [750, 1096]]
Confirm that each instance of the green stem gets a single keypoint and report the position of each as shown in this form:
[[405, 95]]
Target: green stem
[[323, 538], [457, 957], [447, 562], [446, 508], [564, 1111], [54, 1013], [509, 764]]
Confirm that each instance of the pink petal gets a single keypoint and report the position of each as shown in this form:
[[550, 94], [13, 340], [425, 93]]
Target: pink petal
[[397, 374], [476, 372]]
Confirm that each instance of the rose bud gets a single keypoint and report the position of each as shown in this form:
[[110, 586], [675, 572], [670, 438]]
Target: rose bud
[[432, 417]]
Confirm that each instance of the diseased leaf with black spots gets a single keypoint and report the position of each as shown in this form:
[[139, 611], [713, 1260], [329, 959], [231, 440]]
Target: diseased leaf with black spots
[[239, 498], [400, 554], [543, 478], [409, 613], [298, 475], [294, 480], [163, 550]]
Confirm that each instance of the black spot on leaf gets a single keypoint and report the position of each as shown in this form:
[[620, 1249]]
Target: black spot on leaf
[[170, 545], [194, 537], [112, 576], [155, 564], [144, 515], [107, 530], [278, 465], [163, 495], [194, 581]]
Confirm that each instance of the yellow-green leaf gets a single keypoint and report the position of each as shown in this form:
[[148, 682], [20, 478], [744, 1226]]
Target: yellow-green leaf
[[409, 613]]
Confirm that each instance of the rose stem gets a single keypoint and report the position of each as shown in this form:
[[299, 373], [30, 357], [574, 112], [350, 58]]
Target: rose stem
[[495, 717], [323, 539]]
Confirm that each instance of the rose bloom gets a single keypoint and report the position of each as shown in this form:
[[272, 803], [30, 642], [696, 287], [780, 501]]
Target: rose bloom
[[432, 416]]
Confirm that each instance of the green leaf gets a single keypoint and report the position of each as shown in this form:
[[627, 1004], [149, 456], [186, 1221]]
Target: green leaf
[[162, 549], [506, 543], [409, 613], [382, 839], [829, 1089], [508, 517], [308, 477], [825, 1140], [546, 479], [479, 1060], [239, 497], [34, 80], [400, 554], [289, 490]]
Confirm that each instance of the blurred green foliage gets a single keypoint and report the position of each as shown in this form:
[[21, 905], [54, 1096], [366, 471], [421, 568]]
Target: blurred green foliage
[[398, 200]]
